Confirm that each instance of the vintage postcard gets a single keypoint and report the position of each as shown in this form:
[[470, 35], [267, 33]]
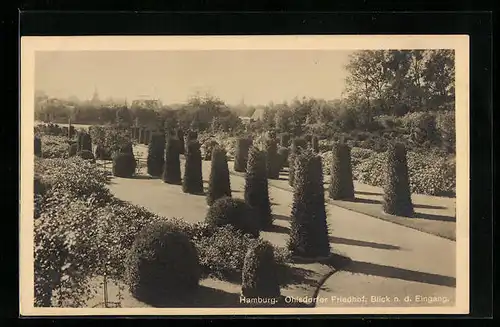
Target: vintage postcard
[[244, 175]]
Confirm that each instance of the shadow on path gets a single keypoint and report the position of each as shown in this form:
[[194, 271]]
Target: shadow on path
[[145, 177], [278, 229], [367, 193], [281, 217], [428, 216], [373, 269], [347, 241]]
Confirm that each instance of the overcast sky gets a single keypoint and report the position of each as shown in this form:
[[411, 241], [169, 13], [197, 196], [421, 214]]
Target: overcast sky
[[257, 76]]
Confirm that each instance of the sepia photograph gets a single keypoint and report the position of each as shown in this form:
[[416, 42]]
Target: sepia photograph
[[244, 175]]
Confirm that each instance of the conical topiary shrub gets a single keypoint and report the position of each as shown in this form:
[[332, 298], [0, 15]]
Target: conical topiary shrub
[[308, 229], [188, 137], [397, 195], [285, 140], [241, 154], [298, 144], [84, 142], [193, 176], [315, 144], [72, 149], [283, 155], [219, 184], [156, 155], [162, 265], [38, 146], [257, 188], [172, 164], [141, 135], [147, 136], [180, 136], [235, 212], [273, 160], [259, 275], [341, 181]]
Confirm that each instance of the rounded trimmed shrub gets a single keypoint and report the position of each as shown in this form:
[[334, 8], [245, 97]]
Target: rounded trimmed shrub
[[397, 195], [86, 155], [193, 177], [283, 153], [298, 144], [259, 275], [172, 165], [72, 149], [156, 155], [235, 212], [308, 228], [219, 184], [38, 146], [273, 160], [241, 154], [341, 180], [257, 188], [124, 164], [285, 139], [180, 136], [162, 265]]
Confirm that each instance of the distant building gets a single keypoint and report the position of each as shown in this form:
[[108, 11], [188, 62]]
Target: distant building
[[258, 114], [246, 120], [154, 104]]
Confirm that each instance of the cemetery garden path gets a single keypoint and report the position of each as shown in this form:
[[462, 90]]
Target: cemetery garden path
[[388, 260]]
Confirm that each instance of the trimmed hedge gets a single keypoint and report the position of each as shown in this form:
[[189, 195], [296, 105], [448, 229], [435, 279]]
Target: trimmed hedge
[[156, 155], [127, 148], [397, 195], [341, 180], [241, 154], [193, 176], [172, 166], [219, 184], [273, 160], [235, 212], [298, 144], [124, 164], [257, 188], [309, 229], [162, 265], [260, 277], [38, 146]]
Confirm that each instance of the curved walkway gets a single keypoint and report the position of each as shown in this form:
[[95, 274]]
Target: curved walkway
[[388, 260]]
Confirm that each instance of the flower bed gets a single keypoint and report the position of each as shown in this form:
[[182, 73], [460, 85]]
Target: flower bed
[[431, 173], [83, 232]]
